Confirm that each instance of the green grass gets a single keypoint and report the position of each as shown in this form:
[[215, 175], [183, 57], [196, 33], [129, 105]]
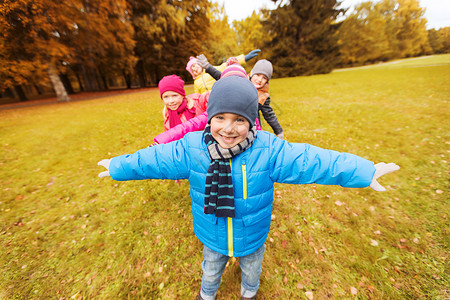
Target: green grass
[[67, 234]]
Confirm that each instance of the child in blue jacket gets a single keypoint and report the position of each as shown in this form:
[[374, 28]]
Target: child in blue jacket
[[232, 169]]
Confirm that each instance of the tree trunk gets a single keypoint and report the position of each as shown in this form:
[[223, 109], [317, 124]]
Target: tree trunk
[[103, 79], [37, 88], [20, 93], [80, 83], [127, 79], [141, 73], [67, 84], [58, 86], [89, 79], [8, 93]]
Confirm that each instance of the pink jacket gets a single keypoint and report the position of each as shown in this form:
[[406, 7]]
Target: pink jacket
[[195, 124]]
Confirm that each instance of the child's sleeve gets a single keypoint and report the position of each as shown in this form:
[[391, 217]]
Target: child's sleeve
[[179, 131], [166, 161], [270, 117], [305, 164], [215, 73]]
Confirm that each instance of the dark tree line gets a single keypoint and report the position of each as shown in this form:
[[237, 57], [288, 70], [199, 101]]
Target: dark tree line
[[79, 45]]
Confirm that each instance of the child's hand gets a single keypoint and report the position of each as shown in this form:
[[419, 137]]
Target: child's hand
[[380, 170], [251, 54], [104, 163], [202, 61]]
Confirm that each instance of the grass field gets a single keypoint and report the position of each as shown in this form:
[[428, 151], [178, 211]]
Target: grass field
[[67, 234]]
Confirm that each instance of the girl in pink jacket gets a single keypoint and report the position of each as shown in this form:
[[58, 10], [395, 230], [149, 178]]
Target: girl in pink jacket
[[178, 107]]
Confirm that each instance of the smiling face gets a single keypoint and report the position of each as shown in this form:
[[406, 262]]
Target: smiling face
[[259, 80], [229, 129], [196, 70], [172, 100]]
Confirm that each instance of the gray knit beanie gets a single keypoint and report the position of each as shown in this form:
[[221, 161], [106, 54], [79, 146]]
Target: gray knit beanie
[[262, 66], [236, 95]]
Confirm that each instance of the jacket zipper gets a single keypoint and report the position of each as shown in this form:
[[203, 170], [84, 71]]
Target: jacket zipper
[[230, 228], [230, 220], [244, 180]]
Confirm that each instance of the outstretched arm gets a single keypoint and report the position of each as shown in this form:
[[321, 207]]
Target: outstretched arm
[[270, 117], [168, 161], [179, 131], [305, 164], [203, 62]]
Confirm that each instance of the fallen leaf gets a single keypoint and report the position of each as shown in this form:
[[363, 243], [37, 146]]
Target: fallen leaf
[[416, 240], [283, 228], [309, 295], [285, 280], [439, 191], [371, 288], [284, 244], [373, 243], [377, 232], [353, 290], [403, 240], [300, 286], [338, 203]]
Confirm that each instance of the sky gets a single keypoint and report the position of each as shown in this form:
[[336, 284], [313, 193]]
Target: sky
[[437, 11]]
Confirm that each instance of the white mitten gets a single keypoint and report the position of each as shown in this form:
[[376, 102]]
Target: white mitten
[[380, 170], [104, 163]]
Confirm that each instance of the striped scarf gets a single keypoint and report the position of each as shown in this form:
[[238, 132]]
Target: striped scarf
[[219, 197]]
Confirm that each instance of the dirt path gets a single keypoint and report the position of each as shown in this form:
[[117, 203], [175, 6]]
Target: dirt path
[[75, 97]]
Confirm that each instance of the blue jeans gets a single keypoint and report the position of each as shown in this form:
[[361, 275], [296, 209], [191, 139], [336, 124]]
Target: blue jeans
[[214, 264]]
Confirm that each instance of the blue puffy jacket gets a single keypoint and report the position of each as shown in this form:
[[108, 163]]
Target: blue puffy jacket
[[268, 160]]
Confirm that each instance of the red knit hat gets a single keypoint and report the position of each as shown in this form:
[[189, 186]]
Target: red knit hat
[[171, 83]]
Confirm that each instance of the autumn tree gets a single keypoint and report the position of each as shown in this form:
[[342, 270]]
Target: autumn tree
[[31, 49], [362, 36], [439, 40], [384, 30], [166, 34], [102, 43], [304, 37], [222, 42], [410, 35], [250, 33]]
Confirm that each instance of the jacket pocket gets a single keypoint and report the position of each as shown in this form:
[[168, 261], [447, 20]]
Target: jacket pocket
[[256, 226], [205, 225]]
